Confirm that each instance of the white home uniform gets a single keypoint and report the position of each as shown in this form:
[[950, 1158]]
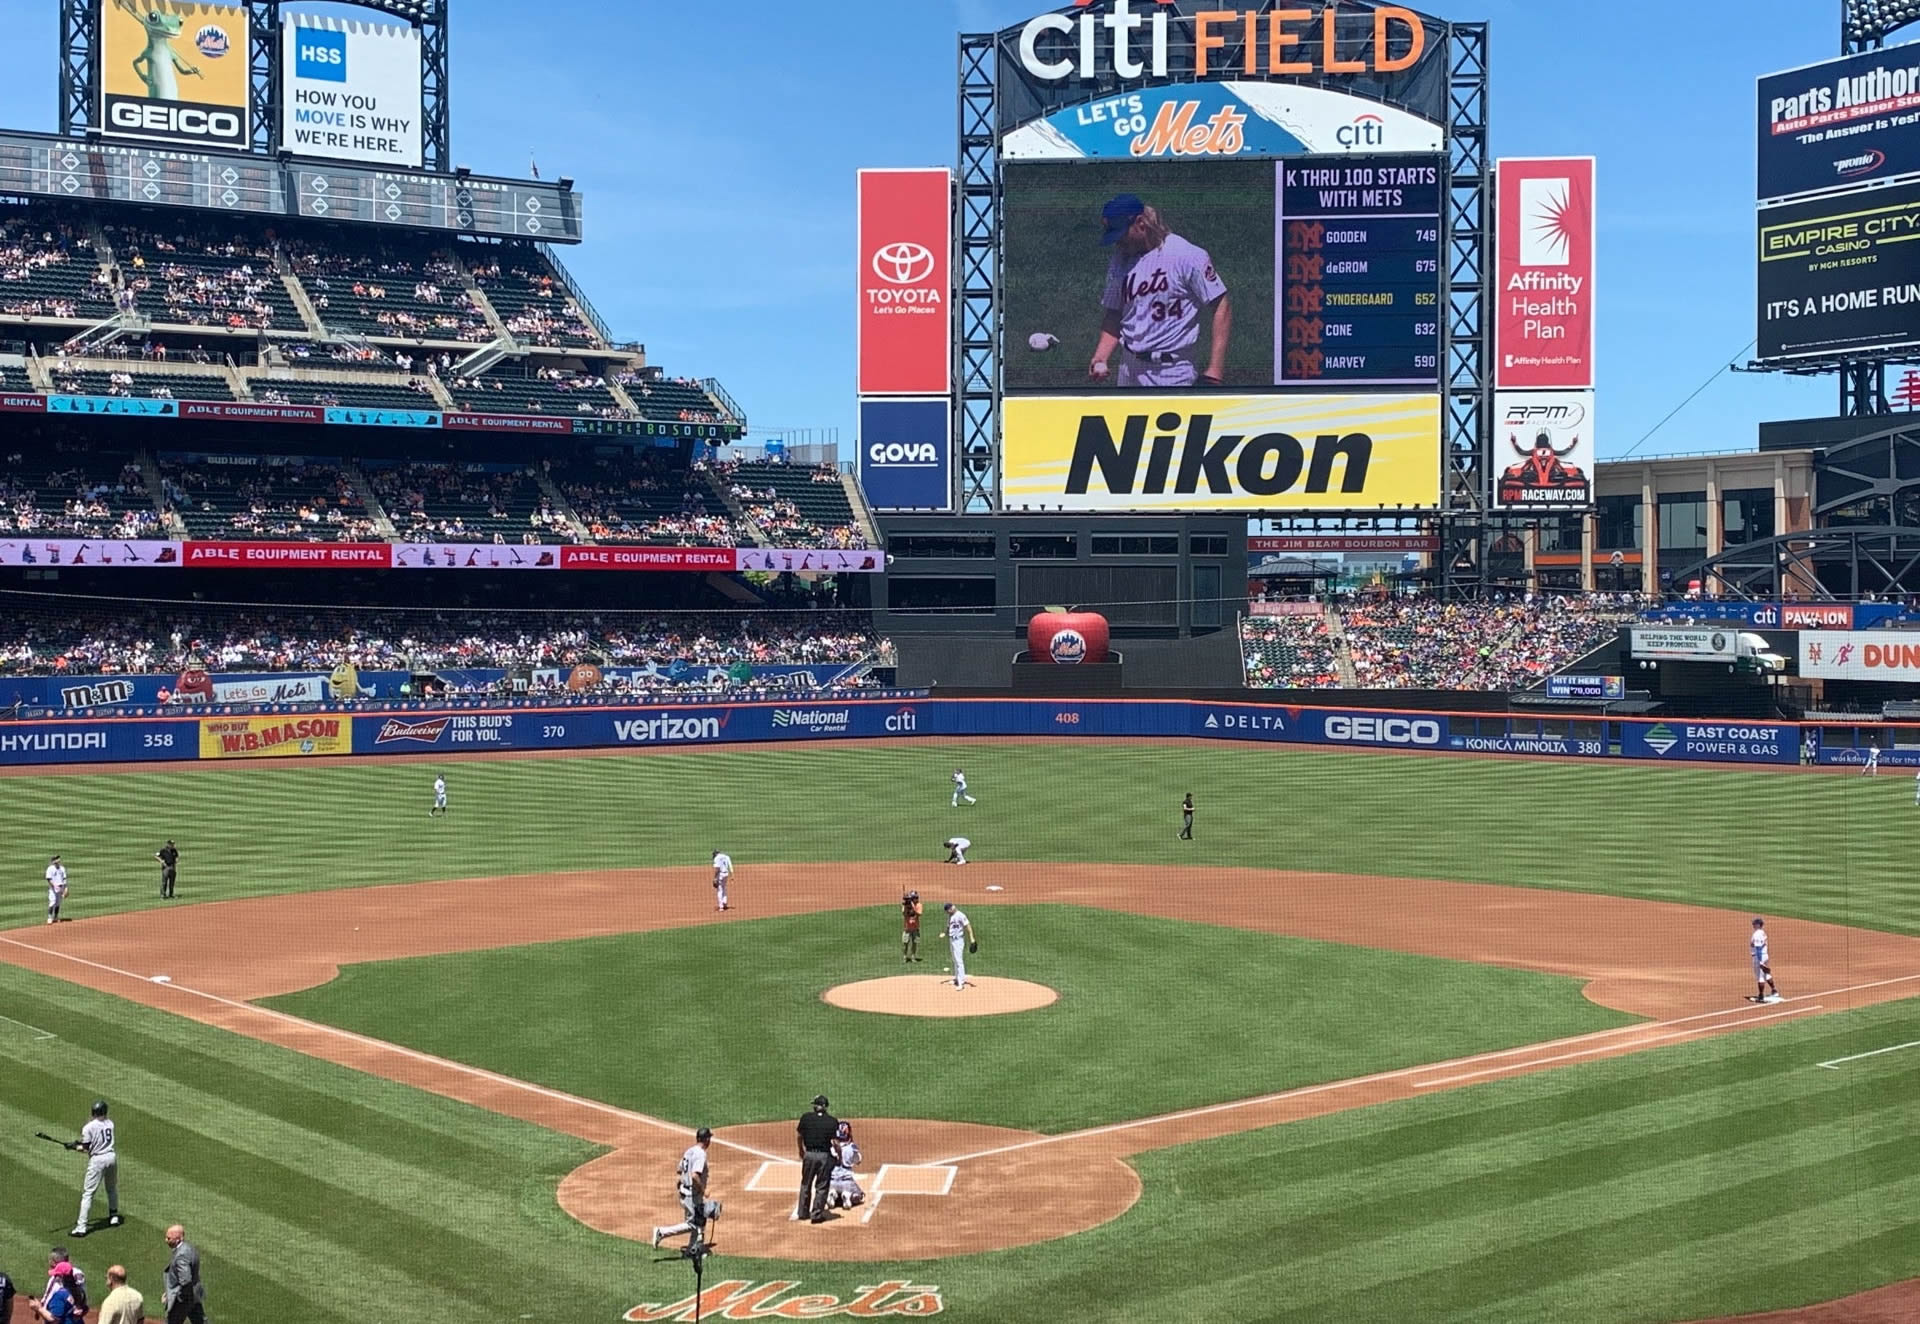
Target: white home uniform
[[1916, 788], [56, 888], [957, 850], [1160, 296], [957, 944], [722, 871], [843, 1188], [1872, 768], [96, 1141], [960, 788], [439, 795], [1763, 966]]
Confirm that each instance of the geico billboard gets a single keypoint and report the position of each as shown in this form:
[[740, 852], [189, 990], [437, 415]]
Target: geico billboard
[[174, 72], [1220, 452]]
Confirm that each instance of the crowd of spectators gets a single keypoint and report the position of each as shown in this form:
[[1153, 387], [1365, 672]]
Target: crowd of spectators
[[308, 502], [151, 638], [229, 292], [65, 502], [646, 498], [1412, 642], [466, 503], [1292, 651], [532, 305], [35, 258]]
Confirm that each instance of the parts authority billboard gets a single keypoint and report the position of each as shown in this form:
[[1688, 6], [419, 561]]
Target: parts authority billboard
[[350, 90], [1543, 273], [1854, 120], [1200, 453], [1840, 274], [175, 72]]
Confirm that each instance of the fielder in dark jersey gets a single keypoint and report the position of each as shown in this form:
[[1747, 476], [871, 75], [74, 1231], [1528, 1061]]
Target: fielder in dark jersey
[[169, 857]]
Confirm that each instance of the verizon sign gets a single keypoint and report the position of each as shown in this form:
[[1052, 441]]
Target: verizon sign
[[906, 237], [1861, 655], [1543, 298]]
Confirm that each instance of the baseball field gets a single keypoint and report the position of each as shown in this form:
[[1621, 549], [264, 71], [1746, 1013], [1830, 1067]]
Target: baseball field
[[1395, 1037]]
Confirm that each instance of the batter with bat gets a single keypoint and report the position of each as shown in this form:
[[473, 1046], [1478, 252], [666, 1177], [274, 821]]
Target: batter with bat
[[1157, 286], [103, 1166]]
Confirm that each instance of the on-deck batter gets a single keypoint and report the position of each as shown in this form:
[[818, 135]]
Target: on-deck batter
[[103, 1167], [1157, 285], [691, 1186]]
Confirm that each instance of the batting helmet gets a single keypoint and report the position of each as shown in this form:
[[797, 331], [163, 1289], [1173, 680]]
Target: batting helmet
[[913, 896], [844, 1131], [99, 1107], [704, 1134]]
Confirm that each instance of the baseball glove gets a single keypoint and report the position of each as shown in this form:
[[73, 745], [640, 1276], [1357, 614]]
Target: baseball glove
[[973, 949]]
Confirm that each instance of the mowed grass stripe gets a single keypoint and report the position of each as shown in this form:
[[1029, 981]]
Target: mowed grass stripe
[[1646, 830]]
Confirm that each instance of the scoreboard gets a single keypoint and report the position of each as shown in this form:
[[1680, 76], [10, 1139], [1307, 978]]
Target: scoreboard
[[1357, 271]]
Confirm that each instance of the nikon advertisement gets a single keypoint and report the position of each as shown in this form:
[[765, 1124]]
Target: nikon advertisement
[[1201, 453]]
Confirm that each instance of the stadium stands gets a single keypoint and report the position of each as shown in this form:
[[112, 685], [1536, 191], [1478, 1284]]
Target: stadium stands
[[204, 276], [529, 296], [466, 503], [386, 286], [797, 506], [542, 390], [647, 499], [1289, 651], [294, 499], [48, 268], [400, 393], [131, 382], [669, 399], [76, 492]]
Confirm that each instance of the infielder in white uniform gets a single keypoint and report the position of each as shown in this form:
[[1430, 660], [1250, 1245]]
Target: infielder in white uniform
[[957, 850], [722, 871], [96, 1142], [960, 941], [1157, 286], [1872, 766], [439, 796], [692, 1189], [1765, 990], [960, 789], [56, 888], [843, 1188]]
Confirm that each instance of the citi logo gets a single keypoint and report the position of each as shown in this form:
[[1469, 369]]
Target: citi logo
[[644, 730], [1368, 130], [904, 720], [908, 454], [1864, 164]]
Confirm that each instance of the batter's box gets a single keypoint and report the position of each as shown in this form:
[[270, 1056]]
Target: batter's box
[[774, 1175], [913, 1179]]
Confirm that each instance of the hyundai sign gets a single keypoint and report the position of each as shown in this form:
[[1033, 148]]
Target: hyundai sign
[[905, 448]]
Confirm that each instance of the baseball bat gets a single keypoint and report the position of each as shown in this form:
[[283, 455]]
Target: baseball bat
[[64, 1144]]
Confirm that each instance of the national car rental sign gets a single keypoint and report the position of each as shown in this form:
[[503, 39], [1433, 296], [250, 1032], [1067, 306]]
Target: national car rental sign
[[905, 280]]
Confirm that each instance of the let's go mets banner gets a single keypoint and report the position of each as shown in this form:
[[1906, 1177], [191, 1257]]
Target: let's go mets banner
[[1193, 453], [274, 737]]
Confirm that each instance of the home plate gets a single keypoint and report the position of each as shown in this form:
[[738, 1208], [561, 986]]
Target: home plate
[[995, 887]]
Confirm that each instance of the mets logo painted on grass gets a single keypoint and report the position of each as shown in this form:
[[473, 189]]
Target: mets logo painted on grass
[[745, 1299]]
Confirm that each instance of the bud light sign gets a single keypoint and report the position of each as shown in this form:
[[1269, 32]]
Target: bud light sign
[[905, 447]]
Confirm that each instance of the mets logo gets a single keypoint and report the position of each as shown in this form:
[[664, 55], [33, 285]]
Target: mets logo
[[425, 733], [211, 41], [1068, 647], [742, 1298]]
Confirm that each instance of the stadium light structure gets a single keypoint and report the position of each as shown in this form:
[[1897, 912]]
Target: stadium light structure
[[1865, 24]]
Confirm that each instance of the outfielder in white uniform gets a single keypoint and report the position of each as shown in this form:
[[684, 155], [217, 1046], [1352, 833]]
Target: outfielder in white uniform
[[1916, 788], [439, 797], [722, 871], [56, 888], [957, 850], [103, 1166], [960, 941], [1765, 990], [1872, 766], [843, 1188], [960, 789], [691, 1186], [1157, 286]]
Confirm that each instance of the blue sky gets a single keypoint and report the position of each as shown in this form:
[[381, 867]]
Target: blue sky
[[716, 145]]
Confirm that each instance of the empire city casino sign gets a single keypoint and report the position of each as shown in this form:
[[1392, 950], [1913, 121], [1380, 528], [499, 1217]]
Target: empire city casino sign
[[1275, 42]]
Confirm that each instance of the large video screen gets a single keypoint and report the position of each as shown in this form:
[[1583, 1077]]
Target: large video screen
[[1229, 275]]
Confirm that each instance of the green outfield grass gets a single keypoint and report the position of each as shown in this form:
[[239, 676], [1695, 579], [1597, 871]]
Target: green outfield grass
[[1154, 1015], [1815, 847], [1730, 1174]]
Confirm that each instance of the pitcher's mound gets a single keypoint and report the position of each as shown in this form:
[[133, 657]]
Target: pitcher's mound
[[935, 995]]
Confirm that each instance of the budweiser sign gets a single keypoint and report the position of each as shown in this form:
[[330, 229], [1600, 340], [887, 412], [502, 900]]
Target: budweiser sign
[[427, 733], [780, 1299]]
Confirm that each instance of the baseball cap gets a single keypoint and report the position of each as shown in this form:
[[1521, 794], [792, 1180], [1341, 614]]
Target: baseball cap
[[1758, 920], [64, 1269], [948, 906], [1118, 214], [819, 1100]]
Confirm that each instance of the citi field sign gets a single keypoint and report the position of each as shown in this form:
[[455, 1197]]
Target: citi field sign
[[1133, 39]]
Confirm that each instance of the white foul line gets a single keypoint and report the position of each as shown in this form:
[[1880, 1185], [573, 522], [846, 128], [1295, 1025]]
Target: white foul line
[[1604, 1048], [38, 1033], [444, 1064], [1309, 1090], [872, 1206], [1835, 1064]]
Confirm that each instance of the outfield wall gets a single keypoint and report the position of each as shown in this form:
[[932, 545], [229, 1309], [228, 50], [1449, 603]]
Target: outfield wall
[[421, 729]]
